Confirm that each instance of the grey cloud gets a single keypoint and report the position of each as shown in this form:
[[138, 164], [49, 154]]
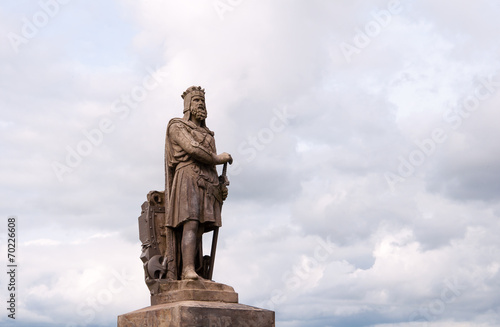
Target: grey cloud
[[320, 177]]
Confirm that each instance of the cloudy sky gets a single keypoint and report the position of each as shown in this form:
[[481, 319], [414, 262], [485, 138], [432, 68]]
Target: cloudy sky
[[366, 184]]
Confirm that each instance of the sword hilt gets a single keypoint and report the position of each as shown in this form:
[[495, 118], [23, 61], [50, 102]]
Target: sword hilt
[[224, 169], [223, 178]]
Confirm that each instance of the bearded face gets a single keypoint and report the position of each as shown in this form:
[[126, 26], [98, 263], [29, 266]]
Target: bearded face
[[198, 109]]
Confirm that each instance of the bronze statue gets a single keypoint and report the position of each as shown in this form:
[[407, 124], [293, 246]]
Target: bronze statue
[[172, 223], [171, 226]]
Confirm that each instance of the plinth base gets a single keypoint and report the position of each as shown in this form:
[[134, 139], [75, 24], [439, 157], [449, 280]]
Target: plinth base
[[192, 290], [198, 314]]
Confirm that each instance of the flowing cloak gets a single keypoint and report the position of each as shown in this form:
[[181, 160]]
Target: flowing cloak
[[192, 185]]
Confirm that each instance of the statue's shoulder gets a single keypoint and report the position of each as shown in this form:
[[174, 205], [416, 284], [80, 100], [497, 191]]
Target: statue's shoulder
[[190, 126], [176, 120], [179, 122]]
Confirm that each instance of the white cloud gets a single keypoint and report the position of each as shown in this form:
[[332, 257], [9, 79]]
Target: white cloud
[[318, 179]]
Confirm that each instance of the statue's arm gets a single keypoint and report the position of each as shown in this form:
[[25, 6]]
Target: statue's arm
[[180, 136]]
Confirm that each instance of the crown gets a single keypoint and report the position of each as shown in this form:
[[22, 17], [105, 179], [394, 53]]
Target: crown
[[195, 90]]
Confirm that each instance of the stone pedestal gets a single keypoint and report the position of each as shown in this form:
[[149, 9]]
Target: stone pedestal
[[196, 303], [198, 314]]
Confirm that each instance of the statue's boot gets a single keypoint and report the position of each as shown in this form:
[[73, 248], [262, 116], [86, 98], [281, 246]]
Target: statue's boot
[[190, 274]]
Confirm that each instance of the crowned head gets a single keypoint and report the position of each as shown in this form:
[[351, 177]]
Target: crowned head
[[189, 94]]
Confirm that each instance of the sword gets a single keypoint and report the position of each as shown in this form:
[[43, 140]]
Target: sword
[[225, 181], [212, 253], [223, 178]]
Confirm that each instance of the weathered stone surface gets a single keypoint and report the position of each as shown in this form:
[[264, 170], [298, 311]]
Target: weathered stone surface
[[171, 227], [198, 314], [172, 223], [193, 290]]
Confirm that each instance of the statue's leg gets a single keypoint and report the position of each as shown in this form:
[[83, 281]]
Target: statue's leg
[[188, 248]]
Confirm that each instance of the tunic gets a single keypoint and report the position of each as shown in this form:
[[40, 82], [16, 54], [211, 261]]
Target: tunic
[[192, 186]]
